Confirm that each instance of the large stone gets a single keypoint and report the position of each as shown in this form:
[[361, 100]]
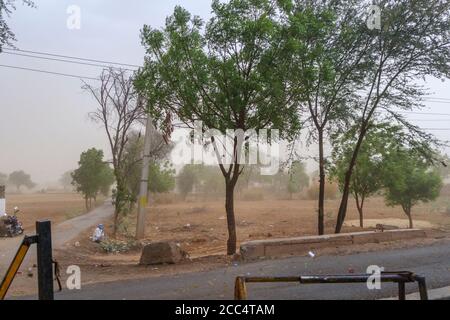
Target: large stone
[[161, 253]]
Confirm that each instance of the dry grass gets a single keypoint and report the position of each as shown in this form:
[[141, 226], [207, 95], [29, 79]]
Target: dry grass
[[39, 206], [200, 226]]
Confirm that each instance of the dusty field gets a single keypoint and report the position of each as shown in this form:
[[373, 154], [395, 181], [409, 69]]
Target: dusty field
[[54, 206], [200, 228]]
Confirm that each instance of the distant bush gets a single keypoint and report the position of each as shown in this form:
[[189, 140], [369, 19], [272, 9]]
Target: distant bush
[[331, 191], [253, 194], [165, 198]]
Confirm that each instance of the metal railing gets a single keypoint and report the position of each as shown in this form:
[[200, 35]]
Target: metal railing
[[401, 277]]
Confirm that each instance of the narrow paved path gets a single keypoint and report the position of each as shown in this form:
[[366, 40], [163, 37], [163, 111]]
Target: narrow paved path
[[61, 233]]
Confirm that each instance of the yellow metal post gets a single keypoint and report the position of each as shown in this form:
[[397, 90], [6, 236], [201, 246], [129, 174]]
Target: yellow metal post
[[240, 290], [14, 267]]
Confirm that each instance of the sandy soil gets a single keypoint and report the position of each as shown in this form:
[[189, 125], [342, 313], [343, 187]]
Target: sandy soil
[[54, 206], [200, 229]]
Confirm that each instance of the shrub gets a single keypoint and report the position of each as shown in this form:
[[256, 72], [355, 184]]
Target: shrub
[[331, 191], [253, 194], [165, 198], [118, 246]]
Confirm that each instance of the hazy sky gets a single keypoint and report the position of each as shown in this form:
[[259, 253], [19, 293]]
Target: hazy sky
[[43, 119]]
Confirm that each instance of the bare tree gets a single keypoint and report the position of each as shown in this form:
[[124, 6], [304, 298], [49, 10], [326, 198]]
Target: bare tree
[[119, 112]]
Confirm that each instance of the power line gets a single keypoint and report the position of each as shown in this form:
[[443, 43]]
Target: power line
[[48, 72], [72, 57], [437, 101], [63, 60], [430, 120], [444, 129], [437, 98], [425, 113]]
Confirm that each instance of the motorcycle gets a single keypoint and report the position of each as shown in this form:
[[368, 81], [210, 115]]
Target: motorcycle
[[10, 226]]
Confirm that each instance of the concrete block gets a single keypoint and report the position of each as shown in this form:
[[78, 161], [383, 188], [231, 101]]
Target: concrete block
[[301, 245], [250, 251]]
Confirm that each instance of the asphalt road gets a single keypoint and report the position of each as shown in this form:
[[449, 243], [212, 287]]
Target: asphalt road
[[431, 261]]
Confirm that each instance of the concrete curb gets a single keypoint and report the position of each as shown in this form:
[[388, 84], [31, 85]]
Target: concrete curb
[[433, 294], [275, 248]]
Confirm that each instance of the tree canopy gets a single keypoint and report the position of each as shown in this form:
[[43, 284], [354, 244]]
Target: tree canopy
[[298, 178], [21, 179], [186, 180], [66, 180], [411, 180], [93, 175], [160, 174], [412, 43], [324, 53], [369, 171], [6, 8], [222, 73], [3, 179]]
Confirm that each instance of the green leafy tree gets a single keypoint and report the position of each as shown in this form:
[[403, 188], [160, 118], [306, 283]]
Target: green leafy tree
[[186, 180], [107, 179], [412, 43], [298, 178], [6, 9], [409, 180], [210, 180], [161, 177], [93, 175], [3, 179], [368, 174], [325, 56], [21, 179], [221, 73], [66, 180]]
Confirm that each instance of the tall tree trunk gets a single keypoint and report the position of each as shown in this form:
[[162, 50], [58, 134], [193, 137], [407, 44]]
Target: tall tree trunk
[[231, 221], [321, 224], [231, 177], [411, 225], [348, 175], [116, 222], [359, 206], [407, 210], [119, 203]]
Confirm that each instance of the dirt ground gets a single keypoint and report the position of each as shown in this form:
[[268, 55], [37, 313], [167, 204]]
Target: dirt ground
[[39, 206], [200, 229]]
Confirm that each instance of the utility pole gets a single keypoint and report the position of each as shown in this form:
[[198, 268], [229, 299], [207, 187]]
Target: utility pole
[[143, 191]]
